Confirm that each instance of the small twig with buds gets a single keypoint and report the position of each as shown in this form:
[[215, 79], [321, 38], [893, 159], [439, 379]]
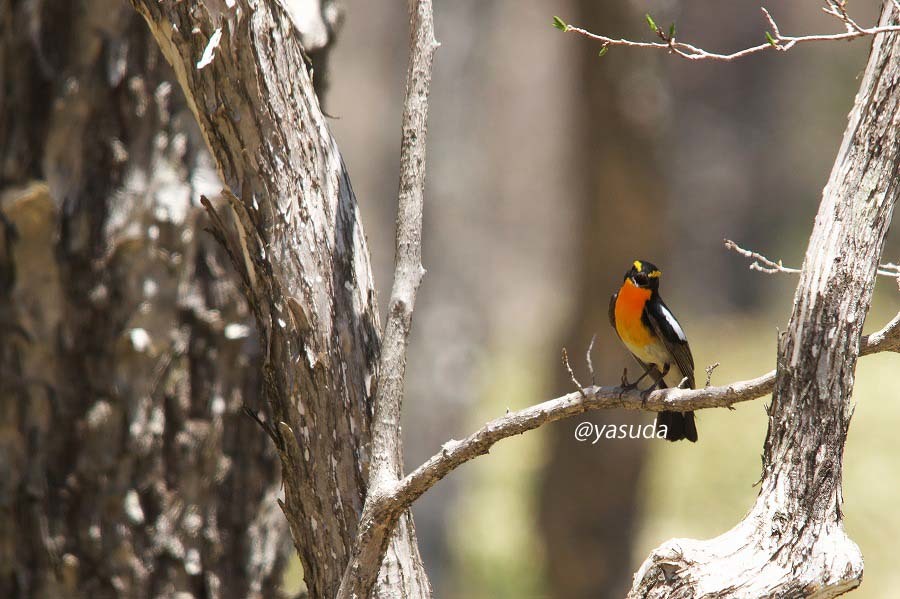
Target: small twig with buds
[[775, 40]]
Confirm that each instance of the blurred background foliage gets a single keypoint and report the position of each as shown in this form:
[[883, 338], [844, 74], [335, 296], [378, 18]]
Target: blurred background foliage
[[550, 169]]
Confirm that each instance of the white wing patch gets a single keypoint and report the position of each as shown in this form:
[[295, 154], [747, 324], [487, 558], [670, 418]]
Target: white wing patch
[[673, 323]]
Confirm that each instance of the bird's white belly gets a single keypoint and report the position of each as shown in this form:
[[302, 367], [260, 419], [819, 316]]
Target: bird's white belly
[[658, 356]]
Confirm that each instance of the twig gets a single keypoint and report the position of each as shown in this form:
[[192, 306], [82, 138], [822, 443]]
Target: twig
[[709, 371], [775, 41], [457, 453], [763, 264], [590, 362], [565, 359], [385, 468]]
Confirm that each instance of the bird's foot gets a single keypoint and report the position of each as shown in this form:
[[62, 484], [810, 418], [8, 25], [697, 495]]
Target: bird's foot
[[624, 385]]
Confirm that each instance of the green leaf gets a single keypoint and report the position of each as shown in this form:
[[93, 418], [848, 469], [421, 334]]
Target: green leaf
[[603, 51], [771, 40], [652, 24], [559, 24], [672, 31]]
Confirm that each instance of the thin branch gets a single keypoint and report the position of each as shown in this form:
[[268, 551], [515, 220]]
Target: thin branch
[[763, 264], [386, 464], [590, 361], [775, 40], [709, 371], [887, 339], [760, 262], [408, 269], [455, 453], [578, 385]]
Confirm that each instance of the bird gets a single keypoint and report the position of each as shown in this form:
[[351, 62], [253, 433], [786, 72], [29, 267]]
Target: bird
[[652, 334]]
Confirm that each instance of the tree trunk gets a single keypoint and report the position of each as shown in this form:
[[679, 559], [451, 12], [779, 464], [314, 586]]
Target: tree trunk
[[793, 543], [299, 249], [126, 466]]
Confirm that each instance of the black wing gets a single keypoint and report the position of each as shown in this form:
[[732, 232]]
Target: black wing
[[666, 327]]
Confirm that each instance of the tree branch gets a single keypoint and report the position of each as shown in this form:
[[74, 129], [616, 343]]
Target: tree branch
[[763, 264], [455, 453], [393, 500], [387, 462], [774, 40], [408, 270]]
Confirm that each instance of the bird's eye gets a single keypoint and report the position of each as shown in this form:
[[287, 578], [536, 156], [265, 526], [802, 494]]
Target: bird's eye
[[641, 279]]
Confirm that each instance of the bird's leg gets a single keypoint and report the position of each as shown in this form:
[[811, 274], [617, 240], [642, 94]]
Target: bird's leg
[[626, 386], [645, 394]]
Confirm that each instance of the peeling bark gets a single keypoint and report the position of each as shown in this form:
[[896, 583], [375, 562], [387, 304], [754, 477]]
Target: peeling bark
[[126, 466]]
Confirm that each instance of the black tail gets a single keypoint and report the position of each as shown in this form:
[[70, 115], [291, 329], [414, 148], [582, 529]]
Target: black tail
[[679, 425]]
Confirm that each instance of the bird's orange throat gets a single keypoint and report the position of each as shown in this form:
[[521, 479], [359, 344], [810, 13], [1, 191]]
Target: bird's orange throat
[[629, 308]]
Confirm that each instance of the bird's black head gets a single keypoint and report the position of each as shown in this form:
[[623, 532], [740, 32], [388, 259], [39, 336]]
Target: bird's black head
[[644, 274]]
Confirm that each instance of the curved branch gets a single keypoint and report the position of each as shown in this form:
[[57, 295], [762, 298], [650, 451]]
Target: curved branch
[[455, 453]]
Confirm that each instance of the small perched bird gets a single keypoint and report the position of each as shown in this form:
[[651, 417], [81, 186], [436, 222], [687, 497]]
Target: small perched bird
[[653, 336]]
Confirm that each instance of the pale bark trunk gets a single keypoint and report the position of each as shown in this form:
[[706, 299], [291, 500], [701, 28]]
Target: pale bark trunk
[[126, 466], [300, 251], [793, 543]]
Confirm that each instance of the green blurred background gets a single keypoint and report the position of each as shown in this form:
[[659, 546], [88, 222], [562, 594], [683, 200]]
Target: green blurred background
[[550, 170]]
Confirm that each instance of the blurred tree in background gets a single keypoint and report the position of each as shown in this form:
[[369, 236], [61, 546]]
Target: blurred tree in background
[[588, 531]]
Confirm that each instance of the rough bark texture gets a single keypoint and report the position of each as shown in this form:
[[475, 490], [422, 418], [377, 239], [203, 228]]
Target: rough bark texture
[[300, 251], [126, 466], [792, 544]]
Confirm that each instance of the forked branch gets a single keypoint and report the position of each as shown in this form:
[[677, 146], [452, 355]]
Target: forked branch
[[762, 264]]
